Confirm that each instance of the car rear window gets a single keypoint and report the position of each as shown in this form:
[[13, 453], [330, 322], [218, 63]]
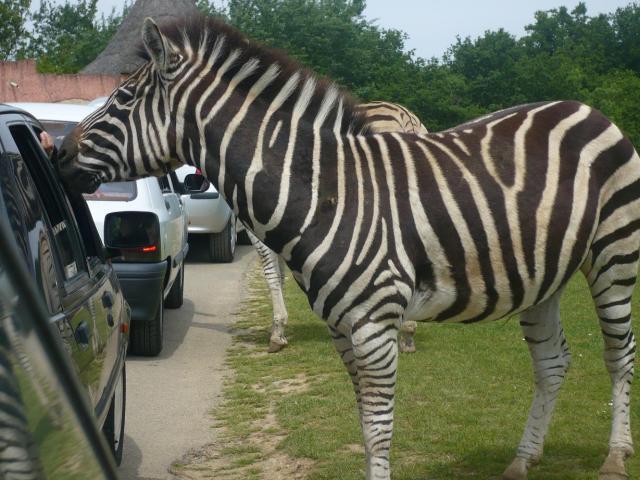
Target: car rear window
[[115, 191], [58, 129]]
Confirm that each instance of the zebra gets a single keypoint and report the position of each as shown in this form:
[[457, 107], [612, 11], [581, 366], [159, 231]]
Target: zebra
[[382, 117], [475, 223]]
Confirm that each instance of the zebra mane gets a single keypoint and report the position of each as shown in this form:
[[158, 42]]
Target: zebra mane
[[200, 32]]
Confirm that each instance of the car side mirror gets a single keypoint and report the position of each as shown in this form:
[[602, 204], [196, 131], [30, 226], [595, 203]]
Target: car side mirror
[[194, 183], [132, 236]]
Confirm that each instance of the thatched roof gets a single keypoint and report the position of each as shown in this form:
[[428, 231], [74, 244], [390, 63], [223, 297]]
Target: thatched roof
[[120, 55]]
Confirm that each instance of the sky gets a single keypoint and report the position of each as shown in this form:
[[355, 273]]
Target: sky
[[432, 25]]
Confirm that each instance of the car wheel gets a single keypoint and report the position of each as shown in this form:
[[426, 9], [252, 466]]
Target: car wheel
[[176, 294], [113, 428], [242, 237], [145, 338], [222, 246]]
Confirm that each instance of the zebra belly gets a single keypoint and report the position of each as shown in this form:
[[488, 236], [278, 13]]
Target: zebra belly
[[427, 306]]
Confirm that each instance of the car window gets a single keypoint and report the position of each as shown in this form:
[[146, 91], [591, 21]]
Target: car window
[[58, 129], [26, 217], [67, 246], [90, 237], [115, 191]]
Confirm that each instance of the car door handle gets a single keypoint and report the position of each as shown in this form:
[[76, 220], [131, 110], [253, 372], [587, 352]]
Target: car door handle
[[107, 300], [167, 205]]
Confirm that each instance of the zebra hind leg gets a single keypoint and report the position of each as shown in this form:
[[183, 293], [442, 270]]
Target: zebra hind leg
[[278, 339], [272, 267], [612, 282], [550, 357]]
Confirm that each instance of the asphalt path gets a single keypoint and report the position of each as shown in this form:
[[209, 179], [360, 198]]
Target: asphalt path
[[170, 397]]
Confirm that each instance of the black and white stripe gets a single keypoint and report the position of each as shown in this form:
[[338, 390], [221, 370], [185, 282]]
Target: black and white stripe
[[481, 221], [381, 117]]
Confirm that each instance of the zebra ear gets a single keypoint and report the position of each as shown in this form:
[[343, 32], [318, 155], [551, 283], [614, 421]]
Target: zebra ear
[[155, 43]]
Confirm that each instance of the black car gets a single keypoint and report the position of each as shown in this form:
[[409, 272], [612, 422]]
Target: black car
[[60, 249], [48, 427]]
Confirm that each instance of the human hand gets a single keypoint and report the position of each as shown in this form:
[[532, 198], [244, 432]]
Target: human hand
[[46, 141]]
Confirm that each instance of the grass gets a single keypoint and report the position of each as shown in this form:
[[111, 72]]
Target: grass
[[462, 400]]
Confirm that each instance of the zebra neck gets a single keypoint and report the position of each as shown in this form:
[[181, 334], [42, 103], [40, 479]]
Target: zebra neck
[[276, 170]]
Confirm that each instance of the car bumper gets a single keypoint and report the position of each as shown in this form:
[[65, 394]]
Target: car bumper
[[207, 214], [142, 285]]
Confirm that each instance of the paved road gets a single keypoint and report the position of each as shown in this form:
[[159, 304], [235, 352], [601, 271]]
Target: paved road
[[169, 397]]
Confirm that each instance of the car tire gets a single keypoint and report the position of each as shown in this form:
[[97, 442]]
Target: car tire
[[113, 428], [146, 337], [176, 294], [243, 238], [222, 246]]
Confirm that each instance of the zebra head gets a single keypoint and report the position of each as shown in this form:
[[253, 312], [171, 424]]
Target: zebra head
[[130, 136]]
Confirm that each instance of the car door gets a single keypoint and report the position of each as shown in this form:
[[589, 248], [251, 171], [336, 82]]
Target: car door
[[47, 428], [79, 288], [175, 221]]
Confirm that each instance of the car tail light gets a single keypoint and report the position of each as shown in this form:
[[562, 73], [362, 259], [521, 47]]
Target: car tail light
[[134, 235]]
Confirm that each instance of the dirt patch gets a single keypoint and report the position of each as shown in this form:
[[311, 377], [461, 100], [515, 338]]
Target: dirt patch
[[355, 448], [256, 457], [288, 386], [299, 384]]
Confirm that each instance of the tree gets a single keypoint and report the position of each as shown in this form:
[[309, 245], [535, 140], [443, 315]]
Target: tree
[[618, 96], [626, 24], [490, 64], [564, 54], [209, 8], [13, 17], [67, 37]]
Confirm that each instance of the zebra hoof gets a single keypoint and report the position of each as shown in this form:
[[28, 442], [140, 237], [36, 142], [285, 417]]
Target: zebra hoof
[[613, 476], [407, 347], [277, 344], [613, 468], [517, 470]]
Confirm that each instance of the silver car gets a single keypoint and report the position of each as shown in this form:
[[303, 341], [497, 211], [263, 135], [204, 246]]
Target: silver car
[[209, 216]]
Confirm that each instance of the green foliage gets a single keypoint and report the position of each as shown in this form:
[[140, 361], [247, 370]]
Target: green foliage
[[209, 8], [13, 17], [564, 55], [68, 36]]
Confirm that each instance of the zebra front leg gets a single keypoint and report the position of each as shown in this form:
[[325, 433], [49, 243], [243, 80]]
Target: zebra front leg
[[407, 331], [344, 347], [550, 356], [375, 348], [272, 267]]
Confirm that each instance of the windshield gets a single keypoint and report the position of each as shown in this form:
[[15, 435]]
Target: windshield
[[115, 191], [58, 129]]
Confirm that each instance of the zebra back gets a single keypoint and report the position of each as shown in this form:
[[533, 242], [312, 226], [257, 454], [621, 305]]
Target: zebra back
[[391, 117]]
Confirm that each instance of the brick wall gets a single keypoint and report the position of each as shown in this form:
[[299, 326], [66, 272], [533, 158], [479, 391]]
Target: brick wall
[[20, 82]]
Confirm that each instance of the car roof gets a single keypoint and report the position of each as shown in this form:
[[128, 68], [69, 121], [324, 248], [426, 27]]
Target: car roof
[[64, 112], [11, 108]]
